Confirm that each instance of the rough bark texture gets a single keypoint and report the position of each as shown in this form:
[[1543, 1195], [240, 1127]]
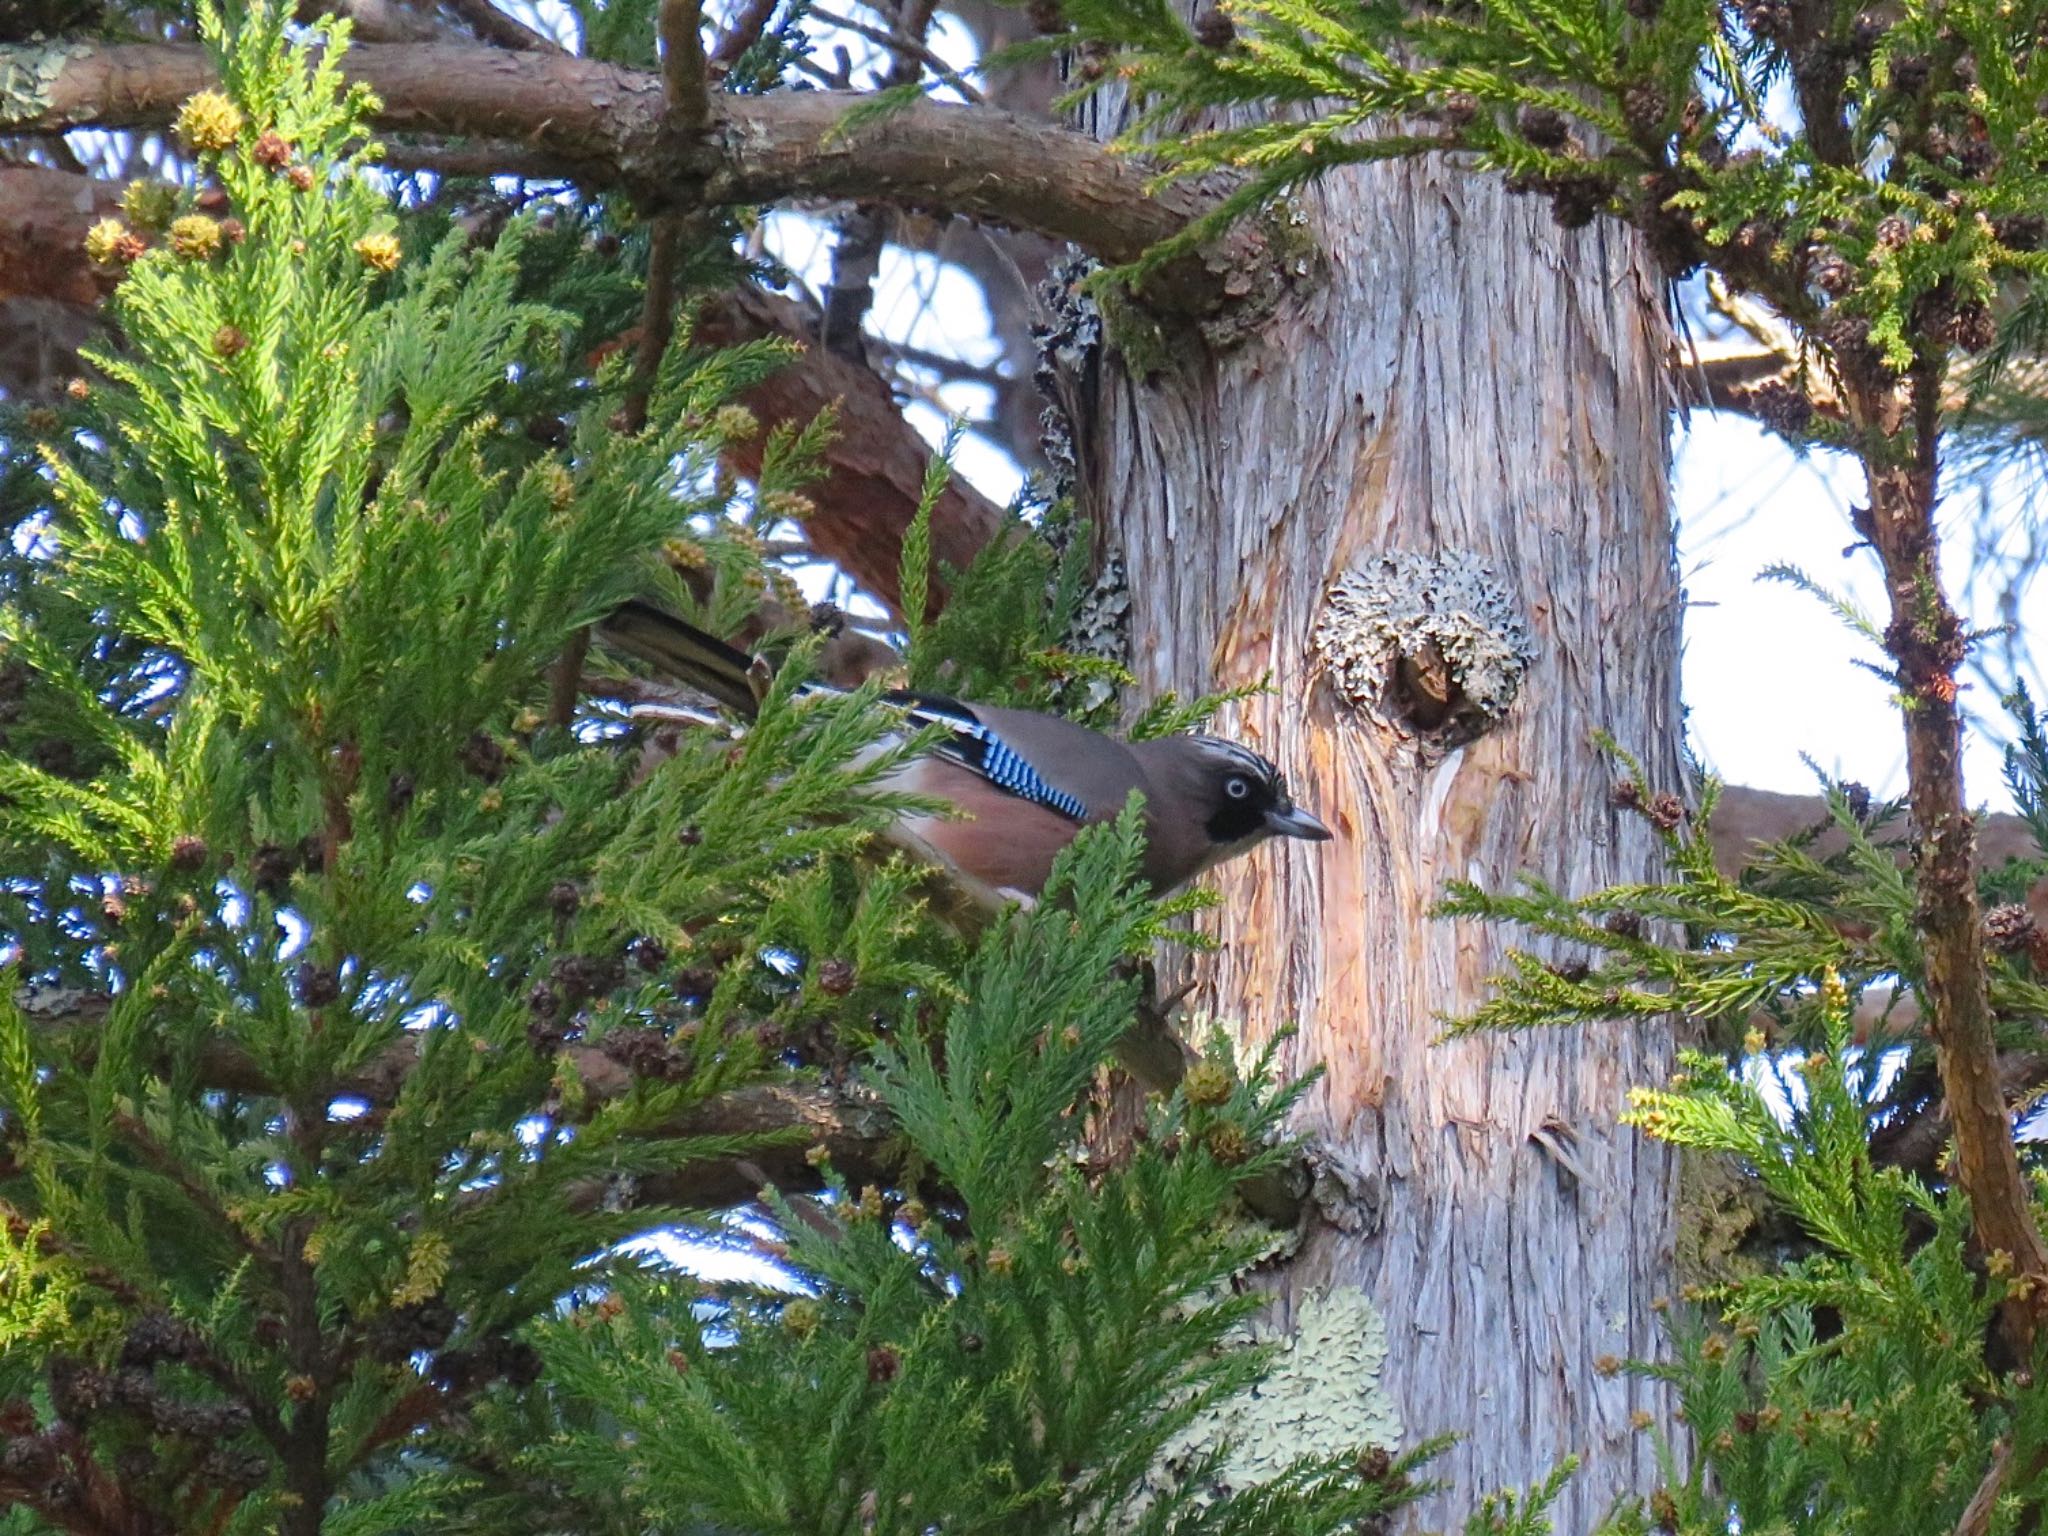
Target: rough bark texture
[[44, 215], [607, 126], [1927, 641], [1465, 377], [48, 290]]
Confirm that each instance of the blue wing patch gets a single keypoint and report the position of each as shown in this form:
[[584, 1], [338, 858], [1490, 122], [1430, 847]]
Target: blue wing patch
[[975, 746], [1006, 770]]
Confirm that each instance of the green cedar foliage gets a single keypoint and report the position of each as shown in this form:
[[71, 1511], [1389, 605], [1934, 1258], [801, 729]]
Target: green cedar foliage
[[1871, 172], [1844, 1374], [376, 993], [1013, 1355], [361, 1011], [1851, 1391]]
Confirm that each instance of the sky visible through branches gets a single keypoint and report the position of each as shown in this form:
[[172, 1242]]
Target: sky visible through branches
[[1770, 678], [1769, 674]]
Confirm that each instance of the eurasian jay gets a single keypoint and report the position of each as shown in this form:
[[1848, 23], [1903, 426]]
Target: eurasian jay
[[1026, 782]]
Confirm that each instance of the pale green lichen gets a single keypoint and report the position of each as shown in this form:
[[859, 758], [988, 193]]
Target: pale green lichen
[[1323, 1397], [28, 75], [1147, 345], [1406, 604]]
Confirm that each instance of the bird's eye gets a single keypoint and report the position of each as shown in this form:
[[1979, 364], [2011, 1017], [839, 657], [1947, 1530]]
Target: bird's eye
[[1237, 788]]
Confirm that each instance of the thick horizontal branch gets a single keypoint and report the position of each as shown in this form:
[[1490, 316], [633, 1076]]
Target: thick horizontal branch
[[1746, 817], [604, 125], [44, 215], [790, 1123], [788, 1119], [877, 461]]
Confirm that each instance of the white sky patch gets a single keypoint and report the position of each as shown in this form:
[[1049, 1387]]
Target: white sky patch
[[924, 303], [714, 1261], [1769, 672]]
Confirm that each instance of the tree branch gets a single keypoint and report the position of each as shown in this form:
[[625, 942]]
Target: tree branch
[[1746, 817], [603, 125], [1976, 1516], [1925, 637], [864, 507], [903, 45], [42, 233], [784, 1120], [502, 29], [742, 32], [684, 68]]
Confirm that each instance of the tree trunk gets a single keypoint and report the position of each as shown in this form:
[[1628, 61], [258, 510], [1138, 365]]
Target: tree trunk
[[1462, 376]]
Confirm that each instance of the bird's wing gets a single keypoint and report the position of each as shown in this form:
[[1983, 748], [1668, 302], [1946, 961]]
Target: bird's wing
[[1081, 774], [1077, 774], [974, 743]]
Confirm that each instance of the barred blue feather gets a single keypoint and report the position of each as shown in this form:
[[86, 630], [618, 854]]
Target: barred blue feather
[[1005, 769], [975, 746]]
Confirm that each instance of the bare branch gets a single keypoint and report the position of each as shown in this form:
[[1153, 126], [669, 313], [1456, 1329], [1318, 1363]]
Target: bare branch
[[786, 1122], [745, 30], [1976, 1516], [1746, 817], [683, 65], [602, 124], [863, 508], [501, 29], [903, 44]]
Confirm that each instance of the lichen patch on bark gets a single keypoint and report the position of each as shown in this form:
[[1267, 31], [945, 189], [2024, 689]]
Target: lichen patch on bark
[[1323, 1396], [1432, 644]]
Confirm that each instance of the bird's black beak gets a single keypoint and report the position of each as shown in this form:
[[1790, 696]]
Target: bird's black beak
[[1295, 822]]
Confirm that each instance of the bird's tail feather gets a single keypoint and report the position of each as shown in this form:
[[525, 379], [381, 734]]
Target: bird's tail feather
[[690, 655]]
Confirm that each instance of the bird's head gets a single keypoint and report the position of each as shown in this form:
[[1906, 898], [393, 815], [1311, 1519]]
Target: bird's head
[[1239, 798]]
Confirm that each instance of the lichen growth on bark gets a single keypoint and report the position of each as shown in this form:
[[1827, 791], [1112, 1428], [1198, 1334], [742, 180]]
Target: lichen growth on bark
[[28, 73], [1435, 644], [1323, 1396], [1718, 1207]]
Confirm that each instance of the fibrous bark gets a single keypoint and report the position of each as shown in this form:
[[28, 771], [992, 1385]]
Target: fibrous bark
[[1468, 379]]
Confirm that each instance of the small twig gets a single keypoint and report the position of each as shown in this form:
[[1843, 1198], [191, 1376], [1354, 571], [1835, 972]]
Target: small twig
[[657, 311], [501, 30], [1976, 1516], [1759, 323], [685, 73], [856, 261], [657, 328], [901, 44], [807, 1210], [837, 79], [565, 678], [60, 150], [422, 1405], [953, 369], [746, 30]]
